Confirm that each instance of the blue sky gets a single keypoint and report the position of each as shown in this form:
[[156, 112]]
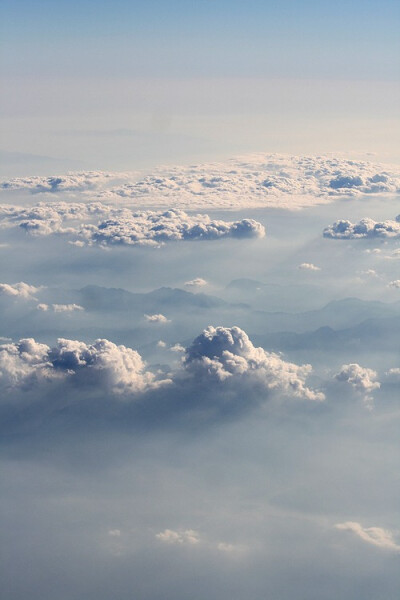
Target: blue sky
[[285, 39], [182, 81]]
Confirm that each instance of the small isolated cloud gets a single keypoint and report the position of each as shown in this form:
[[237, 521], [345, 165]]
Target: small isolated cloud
[[395, 284], [308, 267], [161, 344], [393, 375], [226, 356], [366, 228], [19, 290], [157, 318], [177, 348], [188, 537], [197, 282], [382, 538], [60, 308], [370, 273], [361, 379], [114, 532]]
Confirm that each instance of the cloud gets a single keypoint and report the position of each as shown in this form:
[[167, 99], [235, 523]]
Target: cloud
[[60, 308], [361, 379], [188, 537], [156, 319], [382, 538], [197, 282], [260, 180], [19, 290], [255, 180], [366, 228], [123, 226], [309, 267], [103, 364], [395, 283], [155, 228], [72, 182], [225, 356]]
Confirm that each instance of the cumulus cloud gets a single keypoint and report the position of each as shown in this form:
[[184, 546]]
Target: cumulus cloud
[[395, 283], [155, 228], [256, 180], [260, 180], [382, 538], [123, 226], [309, 267], [156, 318], [222, 355], [197, 282], [366, 228], [104, 364], [361, 379], [71, 182], [187, 536], [18, 290], [60, 308]]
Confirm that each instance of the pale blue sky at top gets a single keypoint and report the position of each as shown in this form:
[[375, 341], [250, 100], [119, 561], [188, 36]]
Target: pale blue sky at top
[[160, 38], [165, 81]]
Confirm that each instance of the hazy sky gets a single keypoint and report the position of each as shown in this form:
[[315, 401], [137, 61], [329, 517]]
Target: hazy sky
[[128, 84]]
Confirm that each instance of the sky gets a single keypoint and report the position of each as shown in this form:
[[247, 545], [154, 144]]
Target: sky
[[93, 84], [199, 300]]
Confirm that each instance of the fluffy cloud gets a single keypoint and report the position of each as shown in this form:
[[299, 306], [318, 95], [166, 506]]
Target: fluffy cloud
[[60, 308], [197, 282], [155, 228], [309, 267], [46, 218], [18, 290], [395, 283], [257, 180], [156, 318], [122, 226], [104, 364], [382, 538], [72, 182], [187, 536], [361, 379], [260, 180], [222, 355], [366, 228]]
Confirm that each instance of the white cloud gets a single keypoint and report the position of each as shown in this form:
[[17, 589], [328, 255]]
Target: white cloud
[[361, 379], [366, 228], [395, 283], [309, 267], [382, 538], [260, 180], [19, 290], [156, 318], [177, 348], [197, 282], [114, 532], [104, 364], [60, 308], [123, 226], [226, 355], [187, 536], [71, 182], [161, 344], [256, 180]]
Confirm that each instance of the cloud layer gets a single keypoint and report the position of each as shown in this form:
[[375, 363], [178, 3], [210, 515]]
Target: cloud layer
[[255, 180], [122, 226]]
